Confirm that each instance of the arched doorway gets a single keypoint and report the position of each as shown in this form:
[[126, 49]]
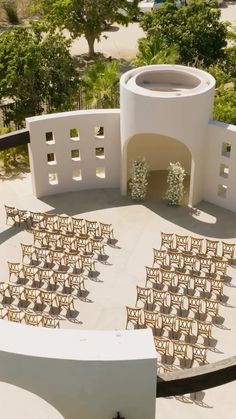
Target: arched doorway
[[159, 151]]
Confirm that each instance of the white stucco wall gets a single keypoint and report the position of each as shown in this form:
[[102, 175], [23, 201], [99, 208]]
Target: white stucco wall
[[219, 134], [83, 374], [60, 124], [159, 151], [182, 113]]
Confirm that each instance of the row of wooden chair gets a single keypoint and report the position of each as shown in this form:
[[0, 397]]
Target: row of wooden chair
[[29, 317], [181, 350], [55, 222], [42, 297], [52, 278], [188, 281], [75, 260], [193, 263], [197, 245]]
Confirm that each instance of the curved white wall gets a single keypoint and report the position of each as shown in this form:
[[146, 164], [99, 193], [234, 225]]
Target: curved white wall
[[83, 374], [179, 111]]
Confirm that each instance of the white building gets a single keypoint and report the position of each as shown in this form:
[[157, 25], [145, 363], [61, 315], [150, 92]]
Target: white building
[[164, 115]]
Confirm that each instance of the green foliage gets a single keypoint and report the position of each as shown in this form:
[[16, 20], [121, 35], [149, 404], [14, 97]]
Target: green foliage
[[175, 182], [225, 106], [196, 29], [12, 157], [10, 8], [101, 84], [139, 180], [154, 50], [36, 72], [87, 17]]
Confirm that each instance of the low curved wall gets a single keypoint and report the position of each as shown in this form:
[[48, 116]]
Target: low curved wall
[[83, 374]]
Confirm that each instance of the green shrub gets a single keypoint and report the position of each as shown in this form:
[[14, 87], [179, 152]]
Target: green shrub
[[10, 9]]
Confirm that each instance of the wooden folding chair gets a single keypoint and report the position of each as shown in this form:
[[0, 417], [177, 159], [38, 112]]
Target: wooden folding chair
[[15, 290], [177, 301], [133, 316], [211, 307], [59, 258], [152, 275], [31, 294], [15, 269], [48, 297], [167, 240], [23, 217], [143, 294], [216, 286], [181, 242], [69, 242], [45, 275], [199, 282], [54, 240], [43, 255], [88, 263], [11, 213], [159, 257], [97, 245]]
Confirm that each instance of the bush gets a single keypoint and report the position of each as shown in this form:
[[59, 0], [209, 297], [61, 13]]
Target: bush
[[10, 9], [175, 182], [139, 181]]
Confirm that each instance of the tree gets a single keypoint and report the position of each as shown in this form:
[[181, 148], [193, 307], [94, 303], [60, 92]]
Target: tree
[[101, 83], [154, 50], [195, 28], [36, 72], [225, 106], [87, 17]]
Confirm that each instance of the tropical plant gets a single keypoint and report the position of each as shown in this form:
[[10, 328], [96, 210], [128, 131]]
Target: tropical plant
[[87, 17], [175, 182], [154, 50], [139, 180], [101, 84]]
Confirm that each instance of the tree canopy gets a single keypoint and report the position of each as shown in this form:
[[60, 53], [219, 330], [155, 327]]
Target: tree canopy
[[36, 72], [196, 29], [87, 17]]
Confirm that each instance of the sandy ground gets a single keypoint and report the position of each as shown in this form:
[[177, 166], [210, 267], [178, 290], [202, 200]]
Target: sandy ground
[[121, 42]]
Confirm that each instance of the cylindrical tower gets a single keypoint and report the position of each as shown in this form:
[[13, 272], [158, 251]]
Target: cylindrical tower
[[169, 100]]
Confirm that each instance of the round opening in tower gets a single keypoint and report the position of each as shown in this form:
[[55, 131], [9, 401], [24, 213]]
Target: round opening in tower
[[167, 80]]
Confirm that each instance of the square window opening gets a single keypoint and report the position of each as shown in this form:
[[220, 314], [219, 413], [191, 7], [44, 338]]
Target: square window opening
[[75, 154], [100, 172], [100, 152], [224, 170], [51, 158], [226, 149], [53, 178], [74, 134], [50, 138], [99, 132], [222, 190], [77, 175]]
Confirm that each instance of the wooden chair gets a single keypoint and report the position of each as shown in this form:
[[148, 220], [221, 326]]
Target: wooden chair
[[200, 283], [152, 275], [212, 247], [183, 325], [167, 321], [219, 266], [78, 225], [30, 272], [69, 242], [27, 251], [150, 319], [31, 294], [162, 345], [196, 244], [40, 237], [177, 301], [59, 257], [166, 276], [88, 263], [195, 304], [174, 259], [106, 230], [167, 240], [188, 262], [48, 297], [180, 349], [76, 281], [182, 279], [204, 264], [143, 294], [158, 297], [45, 275], [133, 316], [97, 245], [65, 301], [159, 257], [204, 329], [43, 255], [181, 242], [15, 269], [54, 240], [63, 223], [32, 318], [37, 220], [216, 286], [50, 321], [14, 314], [199, 354], [15, 290], [92, 227], [72, 260], [51, 221], [23, 217], [211, 307], [60, 277], [11, 213], [228, 250]]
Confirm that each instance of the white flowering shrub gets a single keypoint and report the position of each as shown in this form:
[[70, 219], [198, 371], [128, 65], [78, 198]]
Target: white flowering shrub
[[175, 182], [139, 180]]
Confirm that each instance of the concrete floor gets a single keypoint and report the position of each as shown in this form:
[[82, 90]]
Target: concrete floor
[[137, 228]]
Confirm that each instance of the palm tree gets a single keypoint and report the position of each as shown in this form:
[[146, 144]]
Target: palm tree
[[154, 50], [101, 84]]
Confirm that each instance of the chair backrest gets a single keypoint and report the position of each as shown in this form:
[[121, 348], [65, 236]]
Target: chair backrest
[[199, 354], [204, 328], [183, 325], [45, 274], [166, 276], [211, 306], [50, 321], [14, 267], [31, 294], [196, 244], [180, 349], [29, 271], [32, 318], [228, 250], [204, 263], [15, 289], [161, 344], [133, 315], [158, 296], [182, 278], [189, 261], [150, 318], [167, 240], [159, 256], [152, 274], [174, 258], [212, 246], [220, 266], [15, 314], [143, 294], [106, 230], [167, 321], [181, 242], [200, 282]]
